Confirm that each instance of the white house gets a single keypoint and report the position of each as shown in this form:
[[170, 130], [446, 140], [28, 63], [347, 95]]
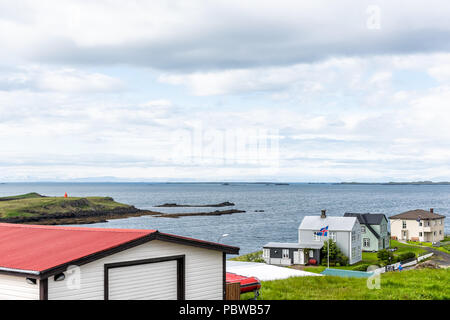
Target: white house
[[50, 262], [345, 231]]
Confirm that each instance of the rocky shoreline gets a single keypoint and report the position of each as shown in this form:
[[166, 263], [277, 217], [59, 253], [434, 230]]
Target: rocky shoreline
[[93, 216], [190, 214]]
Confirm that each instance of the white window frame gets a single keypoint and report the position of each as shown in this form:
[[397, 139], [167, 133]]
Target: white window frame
[[404, 224], [366, 244], [363, 229], [316, 236], [285, 253], [333, 235], [266, 253]]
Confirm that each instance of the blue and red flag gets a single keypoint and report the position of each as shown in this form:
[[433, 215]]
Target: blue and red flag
[[323, 232]]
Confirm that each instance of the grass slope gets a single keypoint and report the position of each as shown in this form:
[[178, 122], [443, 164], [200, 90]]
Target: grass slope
[[426, 284], [33, 204]]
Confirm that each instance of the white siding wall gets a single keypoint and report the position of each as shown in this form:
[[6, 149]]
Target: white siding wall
[[355, 246], [204, 275], [17, 288]]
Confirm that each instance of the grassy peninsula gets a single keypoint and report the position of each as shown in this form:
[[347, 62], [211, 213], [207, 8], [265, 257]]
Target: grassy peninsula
[[34, 208], [37, 209]]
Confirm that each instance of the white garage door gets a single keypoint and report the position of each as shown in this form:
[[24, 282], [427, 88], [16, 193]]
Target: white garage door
[[151, 281]]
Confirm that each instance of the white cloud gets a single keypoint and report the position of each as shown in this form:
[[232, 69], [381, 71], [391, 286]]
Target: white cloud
[[70, 80]]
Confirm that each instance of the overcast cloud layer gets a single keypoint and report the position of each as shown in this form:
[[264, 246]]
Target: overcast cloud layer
[[225, 90]]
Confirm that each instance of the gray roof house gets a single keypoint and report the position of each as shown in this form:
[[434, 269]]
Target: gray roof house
[[345, 231], [374, 230]]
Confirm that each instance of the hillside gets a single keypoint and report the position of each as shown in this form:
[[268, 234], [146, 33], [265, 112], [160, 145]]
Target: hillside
[[426, 284], [37, 209]]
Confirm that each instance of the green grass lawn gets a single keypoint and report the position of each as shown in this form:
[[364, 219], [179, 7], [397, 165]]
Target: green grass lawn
[[444, 248], [424, 284], [402, 248]]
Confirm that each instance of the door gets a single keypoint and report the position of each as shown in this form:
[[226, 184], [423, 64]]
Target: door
[[152, 279], [296, 257]]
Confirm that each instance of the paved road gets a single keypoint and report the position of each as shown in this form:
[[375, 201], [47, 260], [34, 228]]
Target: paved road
[[441, 258]]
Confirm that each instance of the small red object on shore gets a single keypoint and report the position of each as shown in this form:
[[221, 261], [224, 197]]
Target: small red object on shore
[[312, 261], [65, 195]]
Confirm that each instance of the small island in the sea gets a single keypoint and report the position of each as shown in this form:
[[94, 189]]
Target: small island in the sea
[[175, 205], [400, 183], [33, 208]]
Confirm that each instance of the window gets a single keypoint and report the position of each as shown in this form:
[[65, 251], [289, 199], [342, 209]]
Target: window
[[404, 224], [420, 234], [363, 229], [428, 223], [266, 253], [434, 233], [440, 231], [440, 222], [311, 253], [420, 223], [333, 236], [317, 237], [353, 236], [285, 253], [366, 242], [353, 251]]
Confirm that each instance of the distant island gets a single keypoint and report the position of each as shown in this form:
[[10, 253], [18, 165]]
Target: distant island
[[175, 205], [400, 183], [33, 208]]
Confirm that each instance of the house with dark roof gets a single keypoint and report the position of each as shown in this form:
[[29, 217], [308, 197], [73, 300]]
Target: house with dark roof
[[80, 263], [374, 230], [418, 225], [345, 231]]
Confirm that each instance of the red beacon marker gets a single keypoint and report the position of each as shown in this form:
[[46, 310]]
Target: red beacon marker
[[65, 195]]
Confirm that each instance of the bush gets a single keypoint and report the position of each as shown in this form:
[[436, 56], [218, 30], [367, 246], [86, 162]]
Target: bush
[[361, 267], [385, 257], [336, 256], [406, 256]]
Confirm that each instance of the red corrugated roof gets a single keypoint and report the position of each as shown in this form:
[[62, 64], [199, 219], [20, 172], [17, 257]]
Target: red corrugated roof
[[39, 248]]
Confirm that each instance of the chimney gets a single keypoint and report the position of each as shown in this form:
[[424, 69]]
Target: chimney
[[323, 215], [432, 210]]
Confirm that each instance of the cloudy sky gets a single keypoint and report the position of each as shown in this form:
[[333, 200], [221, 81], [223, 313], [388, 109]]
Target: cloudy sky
[[225, 90]]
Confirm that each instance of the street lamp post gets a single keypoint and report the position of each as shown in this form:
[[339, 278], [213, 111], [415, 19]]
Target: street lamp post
[[222, 236]]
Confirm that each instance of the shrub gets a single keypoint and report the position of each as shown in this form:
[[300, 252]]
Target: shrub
[[406, 256], [385, 256], [361, 267], [336, 256]]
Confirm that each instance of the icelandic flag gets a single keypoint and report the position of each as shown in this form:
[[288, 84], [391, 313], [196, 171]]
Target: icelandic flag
[[323, 231]]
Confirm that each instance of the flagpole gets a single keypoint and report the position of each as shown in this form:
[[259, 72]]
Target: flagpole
[[328, 244]]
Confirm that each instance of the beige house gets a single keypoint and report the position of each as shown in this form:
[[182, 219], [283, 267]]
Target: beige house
[[418, 225]]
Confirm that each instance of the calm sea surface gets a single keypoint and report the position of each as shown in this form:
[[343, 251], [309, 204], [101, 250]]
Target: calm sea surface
[[284, 205]]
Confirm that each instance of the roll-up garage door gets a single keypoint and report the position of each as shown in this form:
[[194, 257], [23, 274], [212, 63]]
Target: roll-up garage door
[[144, 281]]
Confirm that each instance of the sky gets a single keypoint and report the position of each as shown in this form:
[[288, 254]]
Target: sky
[[296, 91]]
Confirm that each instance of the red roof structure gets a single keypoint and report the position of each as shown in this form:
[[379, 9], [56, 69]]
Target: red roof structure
[[37, 249]]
